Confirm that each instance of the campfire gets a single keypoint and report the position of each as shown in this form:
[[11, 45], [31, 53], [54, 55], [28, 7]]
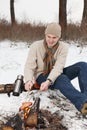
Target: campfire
[[30, 117]]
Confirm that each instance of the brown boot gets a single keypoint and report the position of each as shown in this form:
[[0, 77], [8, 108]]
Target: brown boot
[[84, 109]]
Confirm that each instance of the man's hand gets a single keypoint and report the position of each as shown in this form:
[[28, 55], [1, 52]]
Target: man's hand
[[44, 86], [28, 85]]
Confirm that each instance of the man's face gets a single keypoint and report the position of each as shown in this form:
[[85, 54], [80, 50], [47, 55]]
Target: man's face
[[51, 40]]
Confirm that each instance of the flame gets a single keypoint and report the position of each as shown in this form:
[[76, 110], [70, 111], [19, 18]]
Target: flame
[[26, 112], [26, 107]]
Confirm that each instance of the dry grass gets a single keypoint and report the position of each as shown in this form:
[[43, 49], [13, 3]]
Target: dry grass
[[75, 32], [21, 32], [31, 32]]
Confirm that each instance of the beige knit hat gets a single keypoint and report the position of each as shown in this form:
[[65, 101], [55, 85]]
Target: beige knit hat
[[54, 29]]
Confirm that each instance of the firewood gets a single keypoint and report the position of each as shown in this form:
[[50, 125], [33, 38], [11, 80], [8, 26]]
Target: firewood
[[32, 119], [6, 88]]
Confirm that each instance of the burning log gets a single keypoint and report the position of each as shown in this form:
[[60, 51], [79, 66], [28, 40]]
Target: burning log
[[32, 118], [30, 114]]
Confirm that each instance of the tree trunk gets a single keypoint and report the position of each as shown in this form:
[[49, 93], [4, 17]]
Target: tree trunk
[[12, 12], [62, 17], [84, 17]]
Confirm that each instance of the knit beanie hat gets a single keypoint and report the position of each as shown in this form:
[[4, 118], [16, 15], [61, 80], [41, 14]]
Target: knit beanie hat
[[54, 29]]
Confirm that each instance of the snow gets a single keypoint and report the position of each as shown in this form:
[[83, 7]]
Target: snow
[[12, 60]]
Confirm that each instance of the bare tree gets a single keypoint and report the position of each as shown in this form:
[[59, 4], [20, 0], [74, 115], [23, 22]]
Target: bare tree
[[12, 12], [84, 17], [63, 16]]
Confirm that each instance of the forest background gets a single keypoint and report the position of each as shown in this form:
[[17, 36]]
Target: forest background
[[30, 31]]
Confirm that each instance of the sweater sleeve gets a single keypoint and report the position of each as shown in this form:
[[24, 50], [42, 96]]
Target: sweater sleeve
[[60, 62], [30, 64]]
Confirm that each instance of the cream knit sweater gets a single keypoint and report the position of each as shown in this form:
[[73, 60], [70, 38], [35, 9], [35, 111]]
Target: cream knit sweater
[[34, 64]]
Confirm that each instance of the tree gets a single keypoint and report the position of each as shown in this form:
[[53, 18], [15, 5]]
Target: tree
[[63, 16], [84, 17], [12, 12]]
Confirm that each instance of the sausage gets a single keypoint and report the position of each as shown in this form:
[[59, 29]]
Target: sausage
[[24, 105]]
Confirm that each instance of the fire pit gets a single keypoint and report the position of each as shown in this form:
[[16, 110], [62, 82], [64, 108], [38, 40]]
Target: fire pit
[[30, 117]]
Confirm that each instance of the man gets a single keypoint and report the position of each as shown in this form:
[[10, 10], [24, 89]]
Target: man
[[45, 65]]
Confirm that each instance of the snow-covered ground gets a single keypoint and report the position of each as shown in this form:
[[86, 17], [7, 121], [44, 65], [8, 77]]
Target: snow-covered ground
[[12, 60]]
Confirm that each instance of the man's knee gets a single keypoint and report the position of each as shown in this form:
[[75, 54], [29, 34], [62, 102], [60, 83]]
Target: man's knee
[[82, 64]]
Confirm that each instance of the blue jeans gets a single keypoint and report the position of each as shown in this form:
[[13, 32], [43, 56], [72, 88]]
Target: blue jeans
[[63, 83]]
